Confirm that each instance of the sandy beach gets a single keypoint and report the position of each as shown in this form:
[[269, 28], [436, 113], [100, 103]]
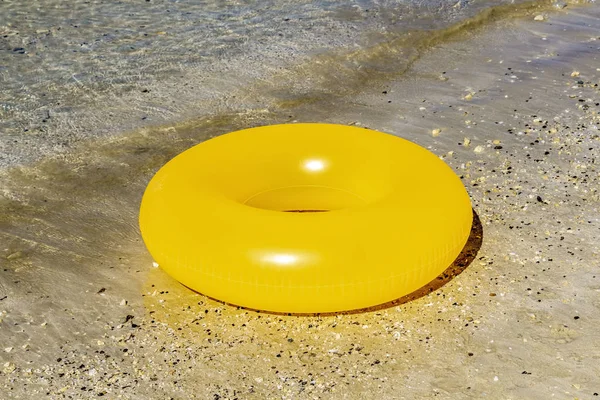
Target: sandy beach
[[509, 99]]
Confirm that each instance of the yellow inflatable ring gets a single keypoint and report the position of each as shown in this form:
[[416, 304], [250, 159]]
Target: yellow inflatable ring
[[392, 217]]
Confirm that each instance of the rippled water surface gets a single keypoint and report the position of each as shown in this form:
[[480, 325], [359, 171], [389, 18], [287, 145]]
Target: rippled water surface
[[78, 69]]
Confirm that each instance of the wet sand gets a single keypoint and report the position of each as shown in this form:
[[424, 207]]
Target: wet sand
[[512, 107]]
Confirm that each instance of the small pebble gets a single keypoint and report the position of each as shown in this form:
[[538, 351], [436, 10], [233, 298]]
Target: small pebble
[[560, 4], [575, 74], [9, 368], [14, 255], [539, 17], [436, 132]]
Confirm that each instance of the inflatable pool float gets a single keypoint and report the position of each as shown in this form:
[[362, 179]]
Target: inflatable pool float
[[305, 218]]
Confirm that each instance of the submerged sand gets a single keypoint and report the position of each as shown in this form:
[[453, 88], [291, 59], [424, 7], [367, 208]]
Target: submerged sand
[[512, 107]]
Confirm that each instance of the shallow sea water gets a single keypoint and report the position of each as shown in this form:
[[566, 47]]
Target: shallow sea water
[[84, 69], [508, 101]]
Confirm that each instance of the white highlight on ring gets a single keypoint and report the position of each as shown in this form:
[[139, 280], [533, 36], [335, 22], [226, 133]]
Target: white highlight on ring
[[314, 165], [282, 259]]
